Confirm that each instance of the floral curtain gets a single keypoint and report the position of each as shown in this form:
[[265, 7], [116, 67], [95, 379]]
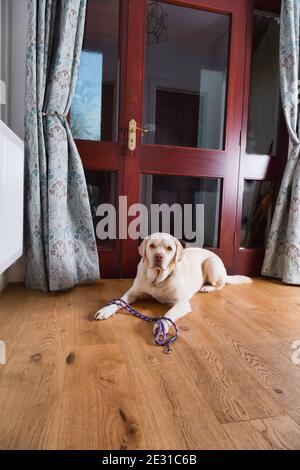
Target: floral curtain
[[60, 244], [282, 259]]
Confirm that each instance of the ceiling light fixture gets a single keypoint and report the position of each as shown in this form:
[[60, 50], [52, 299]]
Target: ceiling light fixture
[[157, 24]]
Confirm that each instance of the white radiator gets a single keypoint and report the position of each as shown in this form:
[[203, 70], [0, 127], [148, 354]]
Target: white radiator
[[11, 197]]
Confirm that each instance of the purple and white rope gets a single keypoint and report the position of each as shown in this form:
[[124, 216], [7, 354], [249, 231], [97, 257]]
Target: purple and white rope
[[161, 337]]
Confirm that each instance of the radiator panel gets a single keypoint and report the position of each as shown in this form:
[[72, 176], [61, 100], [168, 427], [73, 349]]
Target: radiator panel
[[11, 197]]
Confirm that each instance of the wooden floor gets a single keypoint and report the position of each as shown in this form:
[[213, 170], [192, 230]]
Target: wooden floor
[[74, 383]]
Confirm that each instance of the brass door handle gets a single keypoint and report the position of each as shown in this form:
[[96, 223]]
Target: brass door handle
[[132, 130]]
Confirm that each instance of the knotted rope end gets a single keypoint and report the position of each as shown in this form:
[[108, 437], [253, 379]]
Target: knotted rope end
[[161, 336]]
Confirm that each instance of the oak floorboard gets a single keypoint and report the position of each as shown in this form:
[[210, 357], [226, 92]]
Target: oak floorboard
[[98, 404], [277, 374], [71, 382], [280, 433]]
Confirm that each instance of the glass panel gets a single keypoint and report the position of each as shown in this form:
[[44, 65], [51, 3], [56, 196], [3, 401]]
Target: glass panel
[[185, 76], [264, 105], [186, 190], [257, 213], [102, 187], [94, 111]]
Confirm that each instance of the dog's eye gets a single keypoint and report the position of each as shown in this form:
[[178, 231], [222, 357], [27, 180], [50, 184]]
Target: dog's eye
[[169, 248], [152, 246]]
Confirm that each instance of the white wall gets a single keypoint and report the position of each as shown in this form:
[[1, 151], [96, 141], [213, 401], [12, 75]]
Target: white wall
[[3, 57], [16, 88], [175, 66], [15, 95]]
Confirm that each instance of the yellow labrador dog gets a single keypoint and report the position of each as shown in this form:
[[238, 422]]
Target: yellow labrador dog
[[171, 274]]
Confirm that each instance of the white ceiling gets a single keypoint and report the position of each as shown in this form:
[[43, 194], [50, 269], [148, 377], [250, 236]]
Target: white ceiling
[[188, 23]]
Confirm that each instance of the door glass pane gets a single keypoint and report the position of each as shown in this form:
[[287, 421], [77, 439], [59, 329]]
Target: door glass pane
[[264, 105], [102, 187], [257, 213], [187, 192], [186, 62], [94, 111]]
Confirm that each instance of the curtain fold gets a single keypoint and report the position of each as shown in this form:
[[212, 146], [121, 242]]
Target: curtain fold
[[60, 245], [282, 258]]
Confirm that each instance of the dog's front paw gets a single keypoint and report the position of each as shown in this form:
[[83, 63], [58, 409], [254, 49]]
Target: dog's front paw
[[203, 289], [207, 289], [106, 312], [166, 326]]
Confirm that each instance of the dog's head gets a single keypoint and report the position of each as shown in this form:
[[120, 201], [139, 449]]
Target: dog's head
[[161, 251]]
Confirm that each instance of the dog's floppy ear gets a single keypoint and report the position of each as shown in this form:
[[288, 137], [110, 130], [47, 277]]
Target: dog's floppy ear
[[179, 251], [142, 248]]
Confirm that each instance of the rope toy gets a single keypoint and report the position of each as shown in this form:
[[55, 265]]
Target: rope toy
[[161, 337]]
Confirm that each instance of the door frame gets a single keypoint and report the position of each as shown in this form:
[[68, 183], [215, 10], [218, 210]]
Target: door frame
[[232, 165], [256, 166], [109, 156], [158, 159]]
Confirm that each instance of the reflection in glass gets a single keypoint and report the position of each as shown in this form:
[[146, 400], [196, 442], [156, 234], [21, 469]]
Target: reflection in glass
[[264, 104], [102, 188], [186, 79], [86, 105], [256, 213], [167, 189], [94, 111]]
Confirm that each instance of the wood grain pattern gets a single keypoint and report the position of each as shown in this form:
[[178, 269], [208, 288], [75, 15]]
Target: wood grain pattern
[[231, 391], [97, 379], [70, 382], [268, 366], [271, 433]]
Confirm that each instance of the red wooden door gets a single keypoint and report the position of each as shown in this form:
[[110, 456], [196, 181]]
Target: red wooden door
[[264, 137], [158, 159], [182, 69], [98, 114]]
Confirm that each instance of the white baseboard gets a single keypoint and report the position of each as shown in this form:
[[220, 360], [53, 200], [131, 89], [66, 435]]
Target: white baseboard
[[3, 280], [16, 272]]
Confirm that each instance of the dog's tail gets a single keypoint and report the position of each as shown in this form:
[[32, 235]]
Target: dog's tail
[[238, 280]]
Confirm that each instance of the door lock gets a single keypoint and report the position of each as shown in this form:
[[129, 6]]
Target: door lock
[[132, 130]]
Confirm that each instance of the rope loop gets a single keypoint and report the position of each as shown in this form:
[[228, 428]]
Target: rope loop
[[161, 337]]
